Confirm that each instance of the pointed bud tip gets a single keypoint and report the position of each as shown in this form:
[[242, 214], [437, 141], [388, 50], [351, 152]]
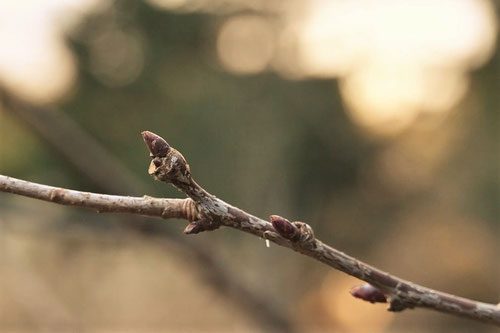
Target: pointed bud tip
[[278, 222], [150, 136], [155, 143], [277, 218]]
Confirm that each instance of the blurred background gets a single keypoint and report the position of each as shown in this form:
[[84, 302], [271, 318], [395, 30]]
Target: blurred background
[[377, 122]]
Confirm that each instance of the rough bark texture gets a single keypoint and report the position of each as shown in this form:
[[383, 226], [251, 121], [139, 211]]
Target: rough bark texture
[[102, 203], [206, 212]]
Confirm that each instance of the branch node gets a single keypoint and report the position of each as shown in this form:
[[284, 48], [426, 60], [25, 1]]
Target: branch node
[[56, 195], [397, 304], [306, 233], [169, 166], [296, 232]]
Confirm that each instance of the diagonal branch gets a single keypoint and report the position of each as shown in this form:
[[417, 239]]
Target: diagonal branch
[[206, 212], [92, 161]]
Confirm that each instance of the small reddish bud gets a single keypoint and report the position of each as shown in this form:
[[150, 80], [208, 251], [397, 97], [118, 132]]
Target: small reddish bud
[[368, 293], [284, 228], [156, 144]]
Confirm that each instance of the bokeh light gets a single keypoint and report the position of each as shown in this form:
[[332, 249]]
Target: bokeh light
[[396, 59], [34, 60], [116, 57], [385, 100], [245, 44]]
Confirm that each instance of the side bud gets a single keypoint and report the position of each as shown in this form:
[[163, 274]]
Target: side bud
[[368, 293], [285, 228]]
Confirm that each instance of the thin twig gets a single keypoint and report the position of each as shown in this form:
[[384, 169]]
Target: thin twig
[[102, 203], [209, 213]]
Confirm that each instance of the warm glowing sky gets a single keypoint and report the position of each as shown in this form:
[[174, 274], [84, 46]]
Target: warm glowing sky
[[394, 59], [34, 61]]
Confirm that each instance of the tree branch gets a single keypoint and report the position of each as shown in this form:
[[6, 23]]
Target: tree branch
[[206, 212], [102, 203], [66, 138]]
